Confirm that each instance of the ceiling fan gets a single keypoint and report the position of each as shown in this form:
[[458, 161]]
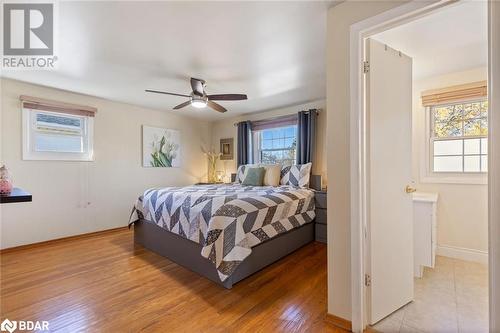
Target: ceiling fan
[[199, 98]]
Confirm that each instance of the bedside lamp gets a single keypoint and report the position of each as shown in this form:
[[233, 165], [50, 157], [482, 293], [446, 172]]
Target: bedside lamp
[[220, 177]]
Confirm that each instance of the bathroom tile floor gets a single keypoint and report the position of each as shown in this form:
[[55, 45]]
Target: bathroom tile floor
[[452, 297]]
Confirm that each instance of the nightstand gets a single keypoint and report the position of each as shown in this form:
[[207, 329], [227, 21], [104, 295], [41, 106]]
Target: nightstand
[[320, 198], [17, 195]]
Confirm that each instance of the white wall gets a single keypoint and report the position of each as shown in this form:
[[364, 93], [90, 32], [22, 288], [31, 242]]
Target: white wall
[[226, 129], [71, 198], [340, 18], [462, 208]]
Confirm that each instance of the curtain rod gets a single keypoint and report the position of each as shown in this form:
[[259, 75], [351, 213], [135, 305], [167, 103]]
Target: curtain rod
[[287, 115]]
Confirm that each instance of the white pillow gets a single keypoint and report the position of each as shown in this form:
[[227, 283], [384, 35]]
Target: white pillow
[[272, 175]]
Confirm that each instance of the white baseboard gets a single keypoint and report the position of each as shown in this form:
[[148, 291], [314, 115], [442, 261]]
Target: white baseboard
[[462, 253]]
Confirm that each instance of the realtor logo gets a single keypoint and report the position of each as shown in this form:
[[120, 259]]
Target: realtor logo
[[23, 325], [28, 36], [28, 29], [8, 325]]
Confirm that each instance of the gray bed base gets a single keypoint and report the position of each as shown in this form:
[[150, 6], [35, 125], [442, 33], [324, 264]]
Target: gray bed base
[[188, 253]]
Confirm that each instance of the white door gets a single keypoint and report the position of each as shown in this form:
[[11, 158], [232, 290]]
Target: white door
[[390, 216]]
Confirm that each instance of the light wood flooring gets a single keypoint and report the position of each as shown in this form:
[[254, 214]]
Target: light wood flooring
[[105, 283]]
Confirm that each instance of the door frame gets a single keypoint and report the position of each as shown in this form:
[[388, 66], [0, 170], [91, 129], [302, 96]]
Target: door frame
[[359, 142]]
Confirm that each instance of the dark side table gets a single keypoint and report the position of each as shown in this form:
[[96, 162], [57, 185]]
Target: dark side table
[[17, 195], [320, 198]]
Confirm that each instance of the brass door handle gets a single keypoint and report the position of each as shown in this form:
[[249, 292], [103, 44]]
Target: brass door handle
[[409, 189]]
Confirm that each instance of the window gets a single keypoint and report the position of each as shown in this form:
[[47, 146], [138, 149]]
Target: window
[[56, 130], [56, 136], [459, 137], [276, 145]]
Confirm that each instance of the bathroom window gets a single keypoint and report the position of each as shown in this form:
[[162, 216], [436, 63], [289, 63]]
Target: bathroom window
[[459, 137]]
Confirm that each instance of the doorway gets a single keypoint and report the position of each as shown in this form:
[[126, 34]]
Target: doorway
[[375, 191], [427, 94]]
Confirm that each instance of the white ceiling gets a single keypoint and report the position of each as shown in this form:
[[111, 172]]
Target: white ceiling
[[451, 40], [272, 51]]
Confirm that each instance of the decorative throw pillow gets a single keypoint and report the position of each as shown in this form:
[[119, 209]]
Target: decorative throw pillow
[[297, 175], [242, 171], [272, 175], [254, 176], [240, 174]]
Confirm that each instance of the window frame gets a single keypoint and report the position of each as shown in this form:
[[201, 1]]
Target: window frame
[[428, 175], [257, 138], [29, 152]]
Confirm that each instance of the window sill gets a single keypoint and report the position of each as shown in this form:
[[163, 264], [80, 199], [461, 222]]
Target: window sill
[[63, 157], [466, 179]]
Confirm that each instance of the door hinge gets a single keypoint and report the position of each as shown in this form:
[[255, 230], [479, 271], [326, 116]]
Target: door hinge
[[366, 67], [368, 280]]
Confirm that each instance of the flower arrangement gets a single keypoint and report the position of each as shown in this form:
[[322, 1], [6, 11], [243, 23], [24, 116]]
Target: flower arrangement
[[213, 157]]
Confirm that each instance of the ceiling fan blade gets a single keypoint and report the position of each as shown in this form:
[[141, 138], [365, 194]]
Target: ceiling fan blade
[[216, 107], [227, 97], [180, 106], [197, 85], [166, 93]]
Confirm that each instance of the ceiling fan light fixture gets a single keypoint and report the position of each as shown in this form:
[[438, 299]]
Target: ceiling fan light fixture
[[198, 103], [199, 98]]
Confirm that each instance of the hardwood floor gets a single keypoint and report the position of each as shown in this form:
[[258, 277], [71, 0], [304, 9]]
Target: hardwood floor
[[107, 284]]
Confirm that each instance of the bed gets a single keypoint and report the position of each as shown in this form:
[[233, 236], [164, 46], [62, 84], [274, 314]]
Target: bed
[[224, 232]]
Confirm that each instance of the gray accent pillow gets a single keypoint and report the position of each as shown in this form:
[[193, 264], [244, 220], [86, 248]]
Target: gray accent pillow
[[242, 171], [254, 177], [297, 175]]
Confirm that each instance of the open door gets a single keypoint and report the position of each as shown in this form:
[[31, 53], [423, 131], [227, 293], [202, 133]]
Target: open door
[[390, 217]]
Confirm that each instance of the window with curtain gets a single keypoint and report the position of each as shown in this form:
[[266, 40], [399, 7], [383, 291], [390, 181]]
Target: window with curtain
[[56, 131], [274, 140], [276, 145]]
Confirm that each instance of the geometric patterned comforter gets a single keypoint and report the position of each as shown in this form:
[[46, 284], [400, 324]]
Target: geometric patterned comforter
[[226, 219]]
